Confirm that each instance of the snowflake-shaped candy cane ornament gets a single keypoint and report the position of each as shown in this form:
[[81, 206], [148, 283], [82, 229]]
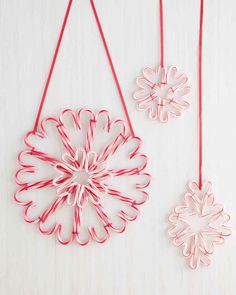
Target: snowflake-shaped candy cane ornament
[[82, 176], [198, 225], [162, 93]]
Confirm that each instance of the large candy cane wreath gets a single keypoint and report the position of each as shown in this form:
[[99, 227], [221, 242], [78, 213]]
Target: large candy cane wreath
[[88, 173]]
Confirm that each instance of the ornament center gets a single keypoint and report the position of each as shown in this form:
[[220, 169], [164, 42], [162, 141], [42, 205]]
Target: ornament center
[[160, 92], [199, 223], [82, 177]]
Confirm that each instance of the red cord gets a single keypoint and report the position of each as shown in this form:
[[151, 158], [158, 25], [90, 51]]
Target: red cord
[[200, 92], [112, 66], [52, 66], [161, 33], [55, 58]]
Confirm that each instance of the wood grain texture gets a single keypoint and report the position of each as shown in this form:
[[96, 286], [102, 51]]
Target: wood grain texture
[[141, 261]]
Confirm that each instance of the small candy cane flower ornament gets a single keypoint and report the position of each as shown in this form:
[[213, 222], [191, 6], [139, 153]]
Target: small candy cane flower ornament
[[162, 92], [198, 225], [82, 174]]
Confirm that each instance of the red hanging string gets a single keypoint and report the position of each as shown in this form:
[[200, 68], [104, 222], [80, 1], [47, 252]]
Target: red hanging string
[[52, 66], [161, 33], [200, 94], [111, 65], [55, 58]]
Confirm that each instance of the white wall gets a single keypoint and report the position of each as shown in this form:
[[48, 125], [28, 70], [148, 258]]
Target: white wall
[[142, 260]]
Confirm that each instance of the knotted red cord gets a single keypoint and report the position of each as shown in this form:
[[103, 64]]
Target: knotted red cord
[[200, 94], [161, 33], [55, 58]]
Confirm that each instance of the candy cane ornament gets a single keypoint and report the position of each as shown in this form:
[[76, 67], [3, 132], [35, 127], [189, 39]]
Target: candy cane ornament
[[85, 178], [162, 92], [199, 223]]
